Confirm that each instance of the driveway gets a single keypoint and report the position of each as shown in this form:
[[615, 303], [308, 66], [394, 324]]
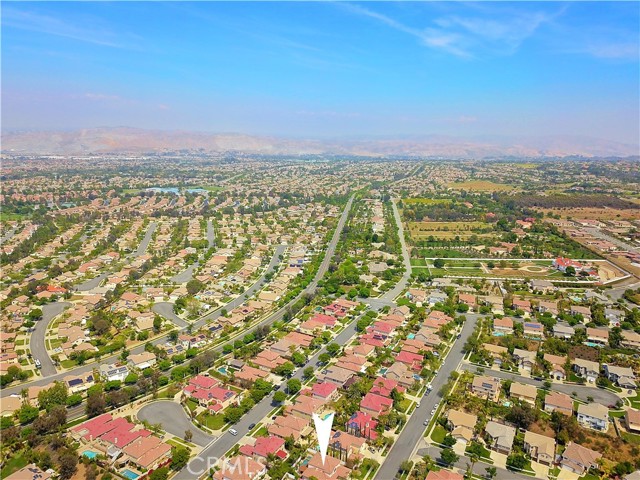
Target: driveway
[[174, 420], [165, 309], [37, 344]]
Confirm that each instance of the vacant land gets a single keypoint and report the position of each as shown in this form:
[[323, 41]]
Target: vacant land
[[594, 213], [480, 186]]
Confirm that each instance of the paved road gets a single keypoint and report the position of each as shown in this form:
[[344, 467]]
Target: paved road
[[142, 248], [165, 309], [414, 430], [211, 233], [399, 287], [8, 235], [91, 284], [217, 449], [599, 395], [174, 420], [37, 344], [185, 275]]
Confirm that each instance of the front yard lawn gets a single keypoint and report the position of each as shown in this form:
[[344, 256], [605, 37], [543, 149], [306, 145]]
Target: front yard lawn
[[214, 422], [438, 434]]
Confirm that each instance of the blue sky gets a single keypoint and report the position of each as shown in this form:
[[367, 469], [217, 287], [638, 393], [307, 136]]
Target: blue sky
[[325, 69]]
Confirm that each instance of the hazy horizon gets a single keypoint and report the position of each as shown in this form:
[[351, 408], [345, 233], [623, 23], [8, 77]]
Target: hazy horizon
[[325, 70]]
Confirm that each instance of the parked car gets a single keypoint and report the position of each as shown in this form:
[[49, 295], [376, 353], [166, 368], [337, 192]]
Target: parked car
[[252, 426], [233, 431]]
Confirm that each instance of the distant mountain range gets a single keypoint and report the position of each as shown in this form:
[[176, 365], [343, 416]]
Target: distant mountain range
[[138, 141]]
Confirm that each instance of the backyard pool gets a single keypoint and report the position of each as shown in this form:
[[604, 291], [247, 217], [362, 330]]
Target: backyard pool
[[90, 454], [223, 370], [383, 370], [129, 474], [411, 336]]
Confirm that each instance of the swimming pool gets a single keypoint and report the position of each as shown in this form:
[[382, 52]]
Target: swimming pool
[[592, 344], [223, 370], [411, 336], [129, 474], [383, 370], [498, 334], [90, 454]]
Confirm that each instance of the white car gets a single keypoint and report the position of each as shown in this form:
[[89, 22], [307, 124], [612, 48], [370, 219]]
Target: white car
[[233, 431], [418, 405], [38, 364]]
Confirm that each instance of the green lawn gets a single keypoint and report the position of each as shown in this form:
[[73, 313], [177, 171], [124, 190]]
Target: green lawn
[[261, 432], [631, 438], [438, 434], [214, 422], [12, 465], [191, 404], [635, 401], [589, 476], [404, 405], [418, 262]]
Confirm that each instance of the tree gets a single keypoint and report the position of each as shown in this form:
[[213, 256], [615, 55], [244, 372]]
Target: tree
[[491, 472], [173, 336], [35, 314], [324, 357], [27, 414], [438, 263], [233, 414], [570, 271], [96, 404], [188, 435], [68, 465], [279, 396], [159, 474], [294, 385], [333, 349], [194, 286], [298, 358], [522, 415], [448, 456], [179, 457], [449, 441], [157, 323], [285, 370], [73, 400], [56, 395], [307, 373], [516, 461]]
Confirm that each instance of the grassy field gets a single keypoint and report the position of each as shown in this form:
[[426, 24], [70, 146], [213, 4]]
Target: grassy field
[[438, 434], [418, 262], [426, 201], [421, 230], [480, 186], [211, 188], [214, 422], [12, 465]]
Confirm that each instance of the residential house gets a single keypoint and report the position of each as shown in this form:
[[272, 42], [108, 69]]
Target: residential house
[[113, 372], [443, 475], [330, 469], [593, 416], [524, 305], [30, 472], [400, 373], [614, 316], [540, 448], [533, 330], [630, 339], [362, 424], [586, 369], [461, 425], [337, 375], [497, 352], [597, 337], [437, 296], [621, 376], [525, 393], [557, 366], [548, 306], [142, 360], [147, 452], [79, 383], [558, 402], [353, 446], [325, 391], [632, 419], [563, 331], [375, 405], [502, 326], [486, 387], [579, 459], [500, 437], [289, 426], [524, 359], [579, 310], [544, 286]]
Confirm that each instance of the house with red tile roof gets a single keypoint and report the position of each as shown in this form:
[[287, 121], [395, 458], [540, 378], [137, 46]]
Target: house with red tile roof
[[412, 360], [240, 467], [250, 374], [375, 404], [383, 386], [363, 425], [147, 452], [325, 391], [265, 446], [345, 442], [331, 469], [289, 426]]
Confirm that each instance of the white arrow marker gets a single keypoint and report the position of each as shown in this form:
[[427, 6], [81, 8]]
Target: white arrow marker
[[323, 431]]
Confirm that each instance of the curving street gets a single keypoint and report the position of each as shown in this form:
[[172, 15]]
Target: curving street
[[37, 343], [174, 420]]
